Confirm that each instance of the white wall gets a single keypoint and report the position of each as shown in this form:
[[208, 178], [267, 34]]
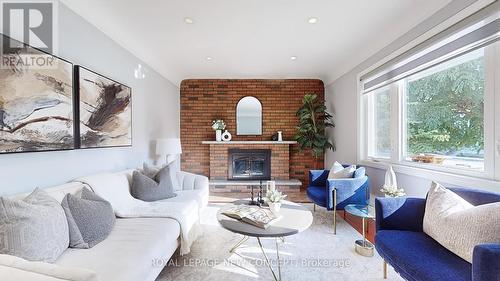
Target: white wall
[[155, 105], [341, 100]]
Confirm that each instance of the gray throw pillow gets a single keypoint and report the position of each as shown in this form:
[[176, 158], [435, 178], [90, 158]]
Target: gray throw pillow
[[90, 219], [154, 173], [164, 175], [34, 228], [150, 171], [146, 189]]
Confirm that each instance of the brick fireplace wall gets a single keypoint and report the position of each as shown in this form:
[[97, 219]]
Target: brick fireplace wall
[[203, 100]]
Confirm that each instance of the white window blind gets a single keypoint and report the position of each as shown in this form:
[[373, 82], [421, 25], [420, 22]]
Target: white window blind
[[472, 33]]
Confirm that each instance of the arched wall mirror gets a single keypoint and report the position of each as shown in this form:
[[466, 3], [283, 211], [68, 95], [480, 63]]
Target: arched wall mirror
[[249, 117]]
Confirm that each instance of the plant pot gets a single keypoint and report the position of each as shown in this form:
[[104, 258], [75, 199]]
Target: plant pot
[[218, 135], [226, 136], [274, 207]]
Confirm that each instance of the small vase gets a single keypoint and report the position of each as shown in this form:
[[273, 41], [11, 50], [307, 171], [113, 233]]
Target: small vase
[[274, 207], [226, 136], [218, 135], [280, 136]]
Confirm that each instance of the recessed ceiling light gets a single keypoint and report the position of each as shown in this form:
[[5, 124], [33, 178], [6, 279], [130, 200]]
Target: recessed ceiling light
[[188, 20], [293, 57], [312, 20], [209, 58]]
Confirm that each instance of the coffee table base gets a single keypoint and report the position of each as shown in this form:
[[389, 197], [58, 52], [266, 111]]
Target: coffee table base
[[364, 248], [245, 238]]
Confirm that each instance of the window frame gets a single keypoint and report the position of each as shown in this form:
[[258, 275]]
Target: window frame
[[371, 115], [398, 120]]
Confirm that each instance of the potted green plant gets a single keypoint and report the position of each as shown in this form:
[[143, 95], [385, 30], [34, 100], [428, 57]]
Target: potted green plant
[[273, 198], [311, 131]]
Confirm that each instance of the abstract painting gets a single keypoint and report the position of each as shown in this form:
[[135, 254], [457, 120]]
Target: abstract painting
[[36, 100], [105, 111]]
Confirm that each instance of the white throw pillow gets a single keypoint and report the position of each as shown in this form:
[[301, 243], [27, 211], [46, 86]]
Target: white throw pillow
[[34, 228], [339, 172], [458, 225]]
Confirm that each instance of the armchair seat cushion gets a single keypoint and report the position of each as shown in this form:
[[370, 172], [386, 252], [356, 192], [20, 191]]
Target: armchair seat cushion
[[416, 256], [317, 194]]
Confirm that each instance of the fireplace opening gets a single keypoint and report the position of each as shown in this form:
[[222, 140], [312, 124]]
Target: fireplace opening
[[249, 164]]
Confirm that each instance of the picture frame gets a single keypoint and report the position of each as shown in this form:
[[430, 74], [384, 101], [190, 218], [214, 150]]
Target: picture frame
[[104, 110], [37, 100]]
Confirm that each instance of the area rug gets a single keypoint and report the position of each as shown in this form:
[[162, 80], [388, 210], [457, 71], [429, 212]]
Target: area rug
[[315, 254]]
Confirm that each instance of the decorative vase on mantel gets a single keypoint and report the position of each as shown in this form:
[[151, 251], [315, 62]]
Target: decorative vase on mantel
[[218, 125], [226, 136]]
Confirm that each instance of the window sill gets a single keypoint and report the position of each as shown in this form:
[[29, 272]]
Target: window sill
[[446, 175]]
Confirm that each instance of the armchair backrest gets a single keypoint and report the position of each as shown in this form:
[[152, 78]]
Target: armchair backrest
[[360, 172], [476, 197], [320, 177]]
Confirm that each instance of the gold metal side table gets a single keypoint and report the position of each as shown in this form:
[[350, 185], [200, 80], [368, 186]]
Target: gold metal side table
[[365, 212]]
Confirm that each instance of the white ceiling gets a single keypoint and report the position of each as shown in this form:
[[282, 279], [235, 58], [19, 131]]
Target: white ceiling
[[254, 38]]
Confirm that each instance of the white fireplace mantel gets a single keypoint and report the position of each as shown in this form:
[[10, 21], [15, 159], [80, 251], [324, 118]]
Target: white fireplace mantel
[[248, 142]]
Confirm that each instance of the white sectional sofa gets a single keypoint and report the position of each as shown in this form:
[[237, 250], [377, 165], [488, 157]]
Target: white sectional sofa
[[129, 252]]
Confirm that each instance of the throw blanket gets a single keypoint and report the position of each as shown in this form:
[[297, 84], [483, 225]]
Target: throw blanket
[[114, 187], [14, 268]]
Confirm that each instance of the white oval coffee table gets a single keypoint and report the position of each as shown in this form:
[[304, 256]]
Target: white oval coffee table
[[294, 219]]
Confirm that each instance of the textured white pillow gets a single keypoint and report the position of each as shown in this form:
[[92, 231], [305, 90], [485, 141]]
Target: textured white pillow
[[34, 228], [339, 172], [458, 225]]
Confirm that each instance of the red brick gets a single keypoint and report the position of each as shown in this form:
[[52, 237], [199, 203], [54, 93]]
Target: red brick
[[203, 100]]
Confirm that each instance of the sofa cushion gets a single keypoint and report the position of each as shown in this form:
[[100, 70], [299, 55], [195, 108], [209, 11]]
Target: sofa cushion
[[90, 219], [34, 228], [113, 187], [457, 224], [57, 192], [416, 256], [20, 269], [135, 250]]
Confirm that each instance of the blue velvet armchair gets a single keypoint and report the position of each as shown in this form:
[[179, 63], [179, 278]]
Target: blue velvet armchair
[[402, 243], [335, 194]]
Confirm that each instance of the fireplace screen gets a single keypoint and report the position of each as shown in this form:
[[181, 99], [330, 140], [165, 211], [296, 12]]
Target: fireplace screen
[[249, 164]]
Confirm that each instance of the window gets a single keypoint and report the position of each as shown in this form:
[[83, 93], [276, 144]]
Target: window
[[436, 106], [444, 113], [440, 118], [379, 121]]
